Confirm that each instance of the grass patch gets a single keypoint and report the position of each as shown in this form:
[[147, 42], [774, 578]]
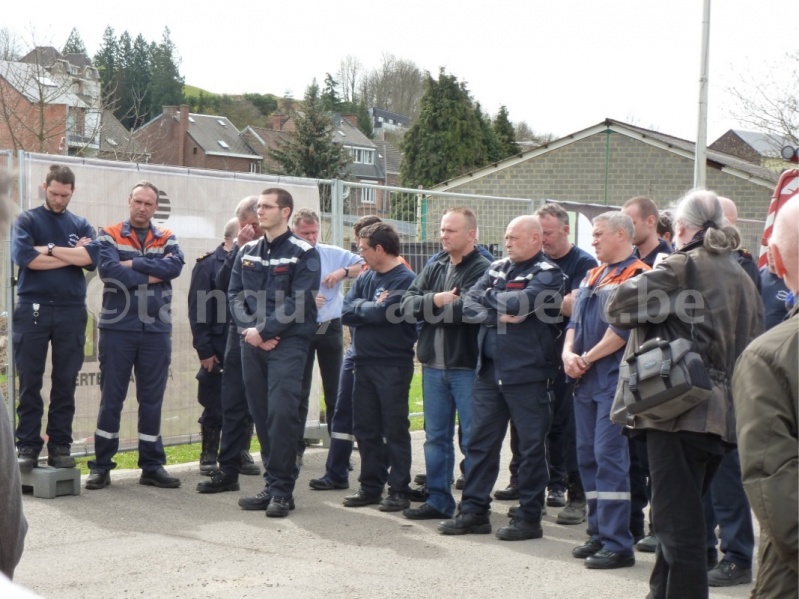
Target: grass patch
[[181, 454]]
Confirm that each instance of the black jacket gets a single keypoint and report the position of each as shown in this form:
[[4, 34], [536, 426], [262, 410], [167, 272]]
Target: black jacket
[[273, 285], [460, 339], [208, 313], [523, 352]]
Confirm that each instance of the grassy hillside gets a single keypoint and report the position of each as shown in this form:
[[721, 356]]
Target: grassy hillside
[[190, 90]]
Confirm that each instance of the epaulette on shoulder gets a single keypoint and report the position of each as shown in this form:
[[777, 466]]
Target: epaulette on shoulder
[[745, 253], [203, 257]]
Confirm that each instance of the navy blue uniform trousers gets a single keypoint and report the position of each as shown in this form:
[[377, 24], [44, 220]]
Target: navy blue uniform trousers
[[380, 405], [236, 411], [148, 356], [209, 388], [63, 328], [273, 384], [529, 407]]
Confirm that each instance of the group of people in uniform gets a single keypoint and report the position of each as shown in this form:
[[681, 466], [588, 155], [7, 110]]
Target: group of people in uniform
[[532, 341]]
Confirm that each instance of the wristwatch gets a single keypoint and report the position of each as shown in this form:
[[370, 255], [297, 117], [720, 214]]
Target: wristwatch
[[50, 247], [585, 360]]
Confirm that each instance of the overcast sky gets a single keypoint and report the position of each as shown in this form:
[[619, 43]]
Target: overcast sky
[[559, 65]]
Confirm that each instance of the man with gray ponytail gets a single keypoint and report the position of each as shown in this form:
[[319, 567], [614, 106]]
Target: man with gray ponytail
[[712, 301]]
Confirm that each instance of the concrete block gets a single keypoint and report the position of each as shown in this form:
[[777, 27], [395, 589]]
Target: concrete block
[[47, 482]]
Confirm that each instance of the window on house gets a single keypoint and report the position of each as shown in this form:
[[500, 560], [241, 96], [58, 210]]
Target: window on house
[[195, 150], [223, 144], [362, 156], [221, 122], [191, 119], [367, 193], [111, 142]]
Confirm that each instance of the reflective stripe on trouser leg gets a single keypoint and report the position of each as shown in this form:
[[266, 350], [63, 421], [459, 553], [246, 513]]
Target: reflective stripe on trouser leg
[[151, 371], [604, 460], [116, 353]]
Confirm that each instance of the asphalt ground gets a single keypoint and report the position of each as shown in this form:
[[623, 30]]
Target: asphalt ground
[[134, 541]]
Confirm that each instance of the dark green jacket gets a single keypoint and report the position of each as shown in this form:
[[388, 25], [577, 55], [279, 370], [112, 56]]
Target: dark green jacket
[[764, 387]]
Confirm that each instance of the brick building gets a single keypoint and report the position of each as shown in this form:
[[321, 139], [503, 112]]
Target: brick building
[[179, 138]]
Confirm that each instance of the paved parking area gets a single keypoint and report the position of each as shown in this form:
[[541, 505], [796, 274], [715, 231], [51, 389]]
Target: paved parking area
[[131, 541]]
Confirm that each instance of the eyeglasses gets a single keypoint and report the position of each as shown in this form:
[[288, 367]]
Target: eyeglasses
[[363, 249]]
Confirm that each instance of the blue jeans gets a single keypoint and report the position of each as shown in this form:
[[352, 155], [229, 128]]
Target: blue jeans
[[445, 391]]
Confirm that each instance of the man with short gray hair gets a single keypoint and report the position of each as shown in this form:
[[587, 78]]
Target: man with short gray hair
[[592, 353]]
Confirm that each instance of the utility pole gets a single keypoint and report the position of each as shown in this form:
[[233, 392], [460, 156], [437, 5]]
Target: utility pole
[[700, 156]]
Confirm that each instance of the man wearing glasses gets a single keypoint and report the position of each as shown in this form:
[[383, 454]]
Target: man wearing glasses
[[271, 295], [383, 342]]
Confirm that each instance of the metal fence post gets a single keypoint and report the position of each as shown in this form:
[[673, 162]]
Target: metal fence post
[[11, 373], [337, 212]]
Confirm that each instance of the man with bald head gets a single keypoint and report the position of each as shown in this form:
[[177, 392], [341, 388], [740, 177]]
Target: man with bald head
[[743, 256], [517, 304], [764, 388]]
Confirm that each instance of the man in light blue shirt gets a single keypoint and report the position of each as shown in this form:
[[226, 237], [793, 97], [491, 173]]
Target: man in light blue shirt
[[327, 344]]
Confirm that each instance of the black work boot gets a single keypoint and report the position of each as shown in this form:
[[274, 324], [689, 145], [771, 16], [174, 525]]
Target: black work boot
[[27, 458], [219, 481], [59, 457], [519, 530], [247, 465], [462, 524], [210, 449]]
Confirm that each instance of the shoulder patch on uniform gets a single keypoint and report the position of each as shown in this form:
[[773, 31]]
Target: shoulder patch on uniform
[[545, 266], [204, 256]]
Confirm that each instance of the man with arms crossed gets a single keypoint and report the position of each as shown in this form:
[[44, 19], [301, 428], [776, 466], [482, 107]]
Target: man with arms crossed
[[138, 261], [516, 302], [51, 246], [447, 348], [383, 343]]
